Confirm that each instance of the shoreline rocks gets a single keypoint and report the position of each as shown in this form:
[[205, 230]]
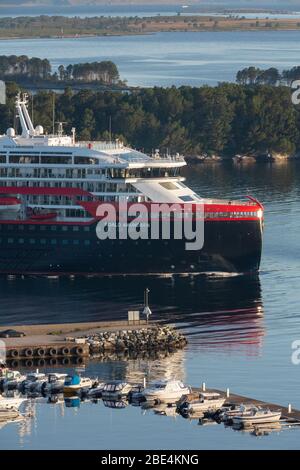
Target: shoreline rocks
[[157, 338]]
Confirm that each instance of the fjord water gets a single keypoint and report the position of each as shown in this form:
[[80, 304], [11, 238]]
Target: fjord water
[[166, 59], [240, 330]]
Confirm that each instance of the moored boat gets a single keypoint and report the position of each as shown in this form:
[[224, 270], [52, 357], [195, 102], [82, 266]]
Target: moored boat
[[73, 383], [228, 414], [32, 382], [54, 383], [166, 391], [116, 389], [257, 416], [204, 402], [12, 379]]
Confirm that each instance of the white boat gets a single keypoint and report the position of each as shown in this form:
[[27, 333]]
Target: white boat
[[116, 389], [75, 383], [207, 401], [228, 414], [96, 392], [166, 391], [257, 416], [12, 379], [11, 402]]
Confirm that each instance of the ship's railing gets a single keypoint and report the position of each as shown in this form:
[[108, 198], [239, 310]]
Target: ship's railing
[[100, 145]]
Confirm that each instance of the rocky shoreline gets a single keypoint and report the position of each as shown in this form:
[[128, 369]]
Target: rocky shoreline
[[157, 338]]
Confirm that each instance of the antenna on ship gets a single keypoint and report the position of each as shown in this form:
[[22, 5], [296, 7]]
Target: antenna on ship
[[32, 108], [53, 113], [60, 128]]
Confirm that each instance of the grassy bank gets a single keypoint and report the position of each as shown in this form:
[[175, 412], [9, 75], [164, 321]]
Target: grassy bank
[[60, 26]]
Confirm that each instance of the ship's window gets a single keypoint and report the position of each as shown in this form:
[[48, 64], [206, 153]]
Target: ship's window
[[75, 228], [43, 241], [75, 242], [53, 241], [18, 158], [31, 227], [65, 242], [169, 185], [42, 227], [64, 228], [21, 227], [10, 240], [53, 228], [186, 198], [86, 229], [10, 227], [87, 242], [21, 240], [53, 159]]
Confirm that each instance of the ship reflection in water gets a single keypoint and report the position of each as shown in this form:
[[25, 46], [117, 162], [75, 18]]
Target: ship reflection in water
[[214, 312]]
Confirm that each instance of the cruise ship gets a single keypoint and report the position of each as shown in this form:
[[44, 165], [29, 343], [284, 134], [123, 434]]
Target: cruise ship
[[51, 190]]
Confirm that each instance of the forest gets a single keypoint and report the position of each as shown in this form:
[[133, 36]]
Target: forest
[[225, 120], [35, 69], [271, 76]]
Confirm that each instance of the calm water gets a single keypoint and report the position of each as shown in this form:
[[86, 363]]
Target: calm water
[[281, 8], [166, 59], [240, 330]]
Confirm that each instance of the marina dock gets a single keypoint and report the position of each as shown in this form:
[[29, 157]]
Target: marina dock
[[292, 416]]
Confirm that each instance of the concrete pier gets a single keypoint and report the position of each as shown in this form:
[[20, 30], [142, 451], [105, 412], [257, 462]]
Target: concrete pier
[[84, 339]]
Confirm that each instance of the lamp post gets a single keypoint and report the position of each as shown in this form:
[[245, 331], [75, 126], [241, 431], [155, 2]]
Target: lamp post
[[147, 310]]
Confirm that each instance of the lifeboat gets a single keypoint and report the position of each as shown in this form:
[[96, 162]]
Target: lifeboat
[[43, 216], [10, 204]]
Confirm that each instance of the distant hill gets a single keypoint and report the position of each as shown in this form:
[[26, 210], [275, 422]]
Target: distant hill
[[87, 3]]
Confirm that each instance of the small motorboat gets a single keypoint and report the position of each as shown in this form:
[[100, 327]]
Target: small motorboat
[[117, 389], [136, 394], [75, 383], [12, 379], [33, 382], [166, 391], [227, 414], [96, 391], [210, 401], [54, 383], [257, 416]]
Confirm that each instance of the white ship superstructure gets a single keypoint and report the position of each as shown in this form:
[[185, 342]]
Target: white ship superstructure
[[107, 170]]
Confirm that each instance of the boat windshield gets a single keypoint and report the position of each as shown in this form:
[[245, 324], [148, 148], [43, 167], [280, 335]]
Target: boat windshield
[[159, 386]]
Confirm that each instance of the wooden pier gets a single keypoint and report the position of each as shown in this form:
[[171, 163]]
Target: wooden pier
[[292, 416]]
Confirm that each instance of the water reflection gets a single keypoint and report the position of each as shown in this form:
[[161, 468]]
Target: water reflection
[[212, 311]]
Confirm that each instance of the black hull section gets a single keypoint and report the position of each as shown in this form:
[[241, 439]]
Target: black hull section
[[231, 246]]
